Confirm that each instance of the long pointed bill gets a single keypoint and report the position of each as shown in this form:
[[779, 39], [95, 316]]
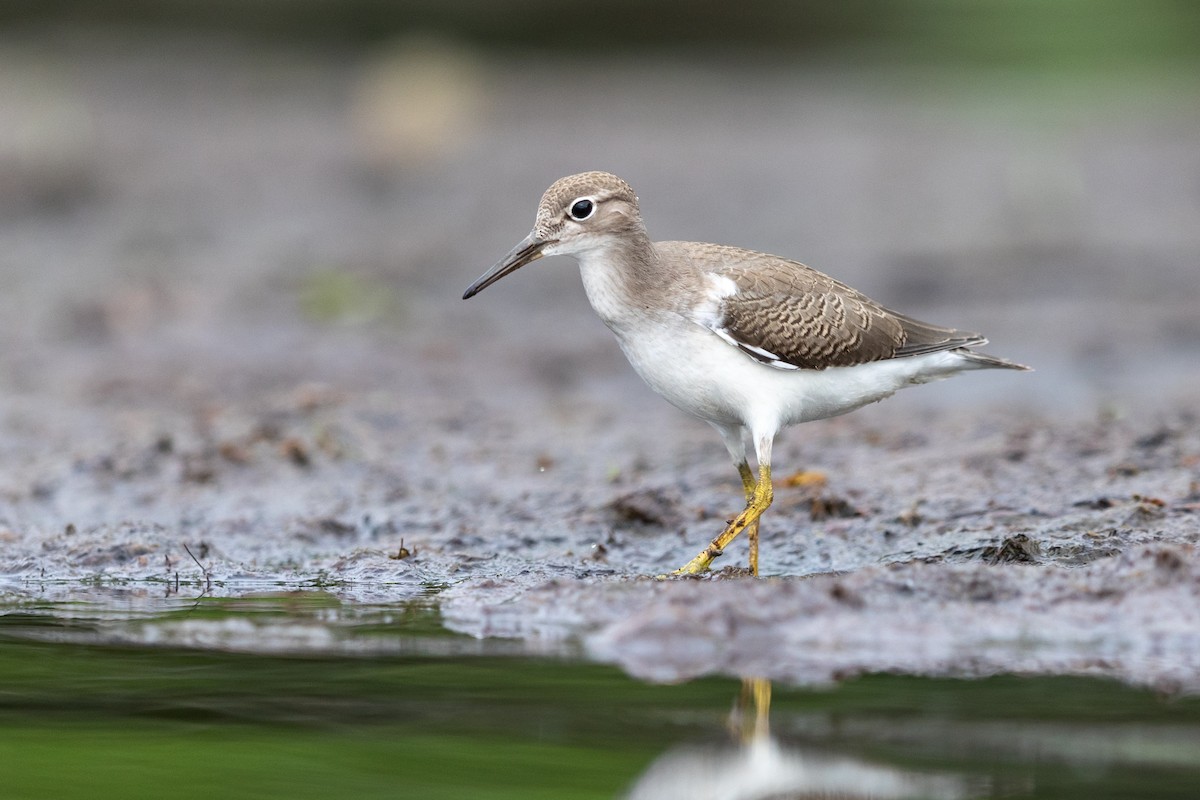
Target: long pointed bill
[[527, 250]]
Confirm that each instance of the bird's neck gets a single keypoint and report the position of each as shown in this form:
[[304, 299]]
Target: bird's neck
[[619, 278]]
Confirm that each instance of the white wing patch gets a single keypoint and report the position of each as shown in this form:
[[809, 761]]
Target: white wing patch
[[723, 286], [709, 315]]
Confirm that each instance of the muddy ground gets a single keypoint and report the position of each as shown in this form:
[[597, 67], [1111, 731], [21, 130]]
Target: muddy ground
[[231, 320]]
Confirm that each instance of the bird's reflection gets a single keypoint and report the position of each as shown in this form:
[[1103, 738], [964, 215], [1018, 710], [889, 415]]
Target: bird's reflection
[[758, 767]]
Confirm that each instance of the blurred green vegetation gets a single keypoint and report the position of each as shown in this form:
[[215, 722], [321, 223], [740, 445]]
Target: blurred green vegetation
[[159, 760], [338, 296], [1089, 34]]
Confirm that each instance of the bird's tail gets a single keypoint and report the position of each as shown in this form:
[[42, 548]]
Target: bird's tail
[[984, 361]]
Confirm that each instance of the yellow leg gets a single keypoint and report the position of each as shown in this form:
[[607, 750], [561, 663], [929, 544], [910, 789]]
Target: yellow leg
[[758, 501], [748, 484]]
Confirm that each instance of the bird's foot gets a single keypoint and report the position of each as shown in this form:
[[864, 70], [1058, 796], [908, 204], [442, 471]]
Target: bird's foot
[[700, 564], [757, 501]]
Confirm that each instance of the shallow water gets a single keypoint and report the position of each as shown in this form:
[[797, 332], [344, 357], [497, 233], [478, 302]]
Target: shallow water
[[300, 694]]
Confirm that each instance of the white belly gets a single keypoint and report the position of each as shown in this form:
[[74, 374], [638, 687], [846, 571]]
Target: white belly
[[701, 374]]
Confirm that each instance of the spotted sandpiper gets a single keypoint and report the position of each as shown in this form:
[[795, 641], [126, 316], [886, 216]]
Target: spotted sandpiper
[[748, 342]]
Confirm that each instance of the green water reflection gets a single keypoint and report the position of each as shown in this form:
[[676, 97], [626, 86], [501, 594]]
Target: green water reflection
[[82, 716]]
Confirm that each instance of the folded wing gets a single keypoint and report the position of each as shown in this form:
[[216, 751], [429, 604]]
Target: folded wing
[[790, 316]]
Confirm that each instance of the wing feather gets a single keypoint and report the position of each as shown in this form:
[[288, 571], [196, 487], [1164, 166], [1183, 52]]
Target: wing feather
[[790, 316]]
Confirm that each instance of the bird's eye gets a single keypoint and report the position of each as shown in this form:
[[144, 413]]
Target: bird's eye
[[582, 209]]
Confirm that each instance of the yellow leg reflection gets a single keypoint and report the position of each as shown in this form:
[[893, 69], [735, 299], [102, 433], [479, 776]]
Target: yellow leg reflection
[[748, 728]]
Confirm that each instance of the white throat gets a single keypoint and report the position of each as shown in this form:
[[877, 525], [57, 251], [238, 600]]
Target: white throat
[[608, 285]]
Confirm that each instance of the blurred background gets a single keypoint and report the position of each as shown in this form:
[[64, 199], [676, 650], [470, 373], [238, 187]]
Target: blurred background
[[256, 192]]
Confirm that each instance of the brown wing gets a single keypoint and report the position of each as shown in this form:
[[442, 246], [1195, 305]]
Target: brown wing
[[792, 316]]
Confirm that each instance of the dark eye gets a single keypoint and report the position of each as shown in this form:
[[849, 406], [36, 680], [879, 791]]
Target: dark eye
[[582, 209]]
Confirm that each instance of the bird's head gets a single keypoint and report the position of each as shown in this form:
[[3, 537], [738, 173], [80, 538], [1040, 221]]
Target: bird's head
[[579, 213]]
